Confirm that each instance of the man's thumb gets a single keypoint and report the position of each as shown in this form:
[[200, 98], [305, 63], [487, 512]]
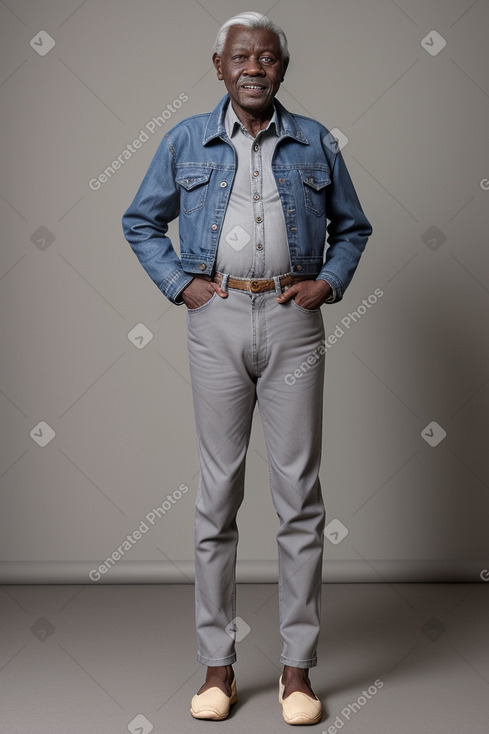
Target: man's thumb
[[219, 290], [286, 294]]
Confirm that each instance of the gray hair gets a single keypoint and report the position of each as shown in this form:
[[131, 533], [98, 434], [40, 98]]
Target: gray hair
[[251, 19]]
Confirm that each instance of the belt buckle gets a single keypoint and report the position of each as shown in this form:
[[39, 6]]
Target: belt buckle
[[255, 286]]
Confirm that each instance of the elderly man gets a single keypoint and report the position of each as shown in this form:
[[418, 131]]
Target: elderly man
[[270, 228]]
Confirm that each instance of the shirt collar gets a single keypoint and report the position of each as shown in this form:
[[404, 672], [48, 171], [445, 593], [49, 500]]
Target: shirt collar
[[288, 126], [233, 123]]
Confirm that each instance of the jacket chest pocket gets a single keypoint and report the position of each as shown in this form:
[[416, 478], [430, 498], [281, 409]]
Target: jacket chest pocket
[[314, 183], [194, 184]]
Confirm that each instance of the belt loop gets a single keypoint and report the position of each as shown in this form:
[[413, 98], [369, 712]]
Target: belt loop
[[224, 282], [278, 287]]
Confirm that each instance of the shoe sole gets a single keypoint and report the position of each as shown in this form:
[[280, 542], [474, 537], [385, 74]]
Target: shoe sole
[[213, 715], [302, 721]]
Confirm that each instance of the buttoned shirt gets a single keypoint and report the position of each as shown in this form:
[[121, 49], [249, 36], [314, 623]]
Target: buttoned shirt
[[253, 241]]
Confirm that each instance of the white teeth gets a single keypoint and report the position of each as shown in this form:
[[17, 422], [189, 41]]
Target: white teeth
[[249, 86]]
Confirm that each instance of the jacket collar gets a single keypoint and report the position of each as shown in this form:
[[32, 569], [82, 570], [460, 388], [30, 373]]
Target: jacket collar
[[287, 126]]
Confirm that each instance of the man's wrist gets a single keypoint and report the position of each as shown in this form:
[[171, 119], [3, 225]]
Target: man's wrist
[[332, 295], [179, 297]]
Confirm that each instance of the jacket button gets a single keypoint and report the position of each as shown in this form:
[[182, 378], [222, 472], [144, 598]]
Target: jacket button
[[214, 226], [223, 184], [202, 266], [298, 267]]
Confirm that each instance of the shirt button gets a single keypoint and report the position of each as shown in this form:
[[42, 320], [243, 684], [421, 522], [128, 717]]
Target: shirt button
[[258, 219], [256, 173], [202, 266], [256, 147], [259, 247], [223, 184], [256, 197], [214, 226]]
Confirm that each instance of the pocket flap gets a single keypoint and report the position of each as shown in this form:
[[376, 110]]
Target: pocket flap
[[315, 179], [191, 179]]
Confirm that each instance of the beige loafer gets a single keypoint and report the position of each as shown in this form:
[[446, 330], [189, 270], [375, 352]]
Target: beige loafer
[[298, 707], [213, 703]]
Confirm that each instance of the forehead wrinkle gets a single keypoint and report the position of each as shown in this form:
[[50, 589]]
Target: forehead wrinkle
[[246, 40], [251, 45]]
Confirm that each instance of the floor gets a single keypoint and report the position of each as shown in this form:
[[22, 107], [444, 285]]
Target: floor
[[393, 658]]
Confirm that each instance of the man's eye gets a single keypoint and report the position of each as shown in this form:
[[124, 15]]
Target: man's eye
[[268, 59]]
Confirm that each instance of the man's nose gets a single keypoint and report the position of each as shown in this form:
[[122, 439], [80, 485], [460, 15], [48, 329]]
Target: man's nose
[[254, 68]]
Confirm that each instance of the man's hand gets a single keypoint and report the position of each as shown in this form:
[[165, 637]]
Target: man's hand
[[307, 293], [200, 290]]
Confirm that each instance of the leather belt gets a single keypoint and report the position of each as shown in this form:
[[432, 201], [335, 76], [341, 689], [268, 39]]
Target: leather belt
[[259, 285]]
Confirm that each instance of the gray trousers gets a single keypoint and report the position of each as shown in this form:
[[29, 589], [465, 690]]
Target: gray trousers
[[244, 349]]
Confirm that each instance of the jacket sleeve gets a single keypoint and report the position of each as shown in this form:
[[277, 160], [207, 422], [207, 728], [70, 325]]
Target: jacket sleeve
[[347, 232], [145, 224]]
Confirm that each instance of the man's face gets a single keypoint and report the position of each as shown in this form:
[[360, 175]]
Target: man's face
[[252, 68]]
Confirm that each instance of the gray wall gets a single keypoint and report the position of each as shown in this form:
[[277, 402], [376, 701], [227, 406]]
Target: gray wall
[[72, 292]]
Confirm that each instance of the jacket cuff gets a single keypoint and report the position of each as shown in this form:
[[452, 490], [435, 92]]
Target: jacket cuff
[[178, 301], [172, 288], [336, 286]]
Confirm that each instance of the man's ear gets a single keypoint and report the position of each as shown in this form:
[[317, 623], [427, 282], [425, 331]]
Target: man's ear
[[285, 64], [216, 60]]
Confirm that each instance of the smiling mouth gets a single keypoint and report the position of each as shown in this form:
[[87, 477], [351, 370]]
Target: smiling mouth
[[252, 86]]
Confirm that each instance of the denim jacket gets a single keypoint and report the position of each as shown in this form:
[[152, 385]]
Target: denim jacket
[[191, 176]]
